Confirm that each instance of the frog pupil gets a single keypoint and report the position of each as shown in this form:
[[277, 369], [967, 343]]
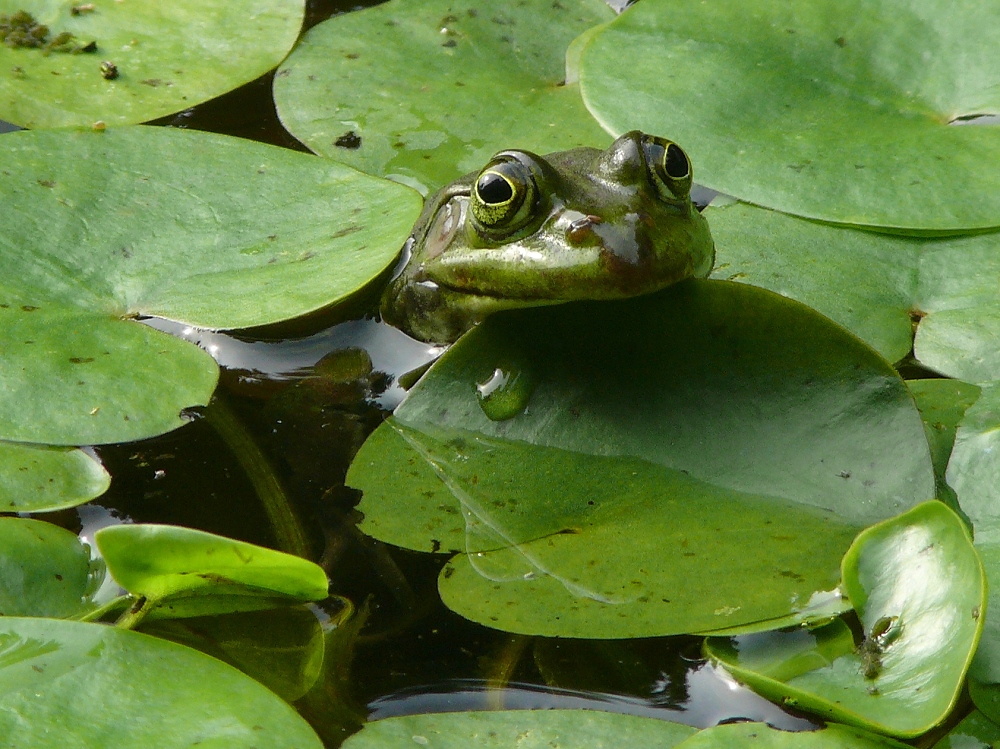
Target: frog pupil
[[493, 189], [676, 163]]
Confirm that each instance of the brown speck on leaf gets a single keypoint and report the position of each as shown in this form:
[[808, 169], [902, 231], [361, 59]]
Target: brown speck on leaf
[[345, 231], [450, 43], [840, 41], [46, 183], [154, 82], [352, 55]]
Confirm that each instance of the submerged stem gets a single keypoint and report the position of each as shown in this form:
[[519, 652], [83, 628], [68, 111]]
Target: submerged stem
[[289, 532]]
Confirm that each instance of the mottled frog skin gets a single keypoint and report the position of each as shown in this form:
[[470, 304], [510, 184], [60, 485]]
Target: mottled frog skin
[[530, 230]]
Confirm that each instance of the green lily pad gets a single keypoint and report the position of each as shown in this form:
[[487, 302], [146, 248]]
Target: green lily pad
[[526, 729], [596, 510], [986, 697], [423, 92], [44, 571], [942, 405], [976, 731], [159, 562], [762, 736], [224, 234], [919, 589], [72, 684], [974, 475], [876, 285], [40, 479], [834, 110], [168, 58], [280, 648]]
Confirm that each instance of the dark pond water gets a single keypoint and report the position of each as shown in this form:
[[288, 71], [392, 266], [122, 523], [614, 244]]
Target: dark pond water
[[413, 655]]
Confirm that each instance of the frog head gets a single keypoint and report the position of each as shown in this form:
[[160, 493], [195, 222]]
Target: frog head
[[528, 230]]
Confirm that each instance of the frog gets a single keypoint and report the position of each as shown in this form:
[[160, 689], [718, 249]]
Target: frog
[[529, 230]]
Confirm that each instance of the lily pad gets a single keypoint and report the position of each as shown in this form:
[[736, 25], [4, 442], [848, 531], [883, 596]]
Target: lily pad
[[423, 92], [974, 475], [40, 479], [834, 110], [224, 234], [876, 285], [762, 736], [942, 404], [44, 571], [986, 697], [71, 684], [166, 58], [976, 731], [526, 729], [919, 590], [159, 562], [581, 511]]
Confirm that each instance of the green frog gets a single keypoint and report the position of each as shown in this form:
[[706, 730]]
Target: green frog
[[529, 230]]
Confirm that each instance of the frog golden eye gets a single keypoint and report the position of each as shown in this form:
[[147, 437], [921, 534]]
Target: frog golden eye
[[668, 166], [504, 196]]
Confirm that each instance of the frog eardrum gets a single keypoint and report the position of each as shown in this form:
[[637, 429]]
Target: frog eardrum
[[529, 230]]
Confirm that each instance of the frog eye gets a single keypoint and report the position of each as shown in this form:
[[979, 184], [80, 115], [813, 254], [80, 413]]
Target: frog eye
[[504, 196], [668, 166]]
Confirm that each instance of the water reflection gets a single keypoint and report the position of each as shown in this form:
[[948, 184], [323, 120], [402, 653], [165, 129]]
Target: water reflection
[[714, 697]]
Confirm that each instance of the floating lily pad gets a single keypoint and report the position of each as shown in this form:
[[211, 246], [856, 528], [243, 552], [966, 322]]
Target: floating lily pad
[[160, 562], [423, 92], [762, 736], [942, 404], [40, 479], [73, 684], [976, 731], [875, 285], [920, 591], [167, 57], [526, 729], [975, 476], [834, 110], [224, 234], [597, 511], [44, 571]]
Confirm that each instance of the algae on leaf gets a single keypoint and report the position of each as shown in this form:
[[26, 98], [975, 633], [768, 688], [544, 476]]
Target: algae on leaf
[[167, 57]]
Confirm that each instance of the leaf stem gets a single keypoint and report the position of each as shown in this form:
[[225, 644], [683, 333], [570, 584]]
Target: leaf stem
[[289, 532]]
